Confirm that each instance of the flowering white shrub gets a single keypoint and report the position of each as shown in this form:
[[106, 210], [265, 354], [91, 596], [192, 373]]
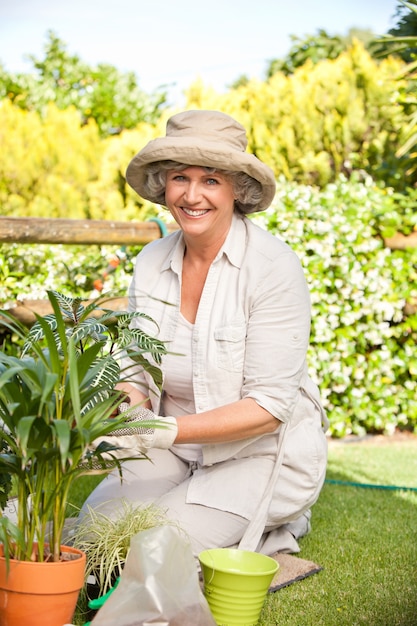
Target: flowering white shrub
[[28, 271], [363, 348], [362, 351]]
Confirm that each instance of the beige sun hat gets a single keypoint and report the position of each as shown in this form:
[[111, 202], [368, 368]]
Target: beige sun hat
[[207, 139]]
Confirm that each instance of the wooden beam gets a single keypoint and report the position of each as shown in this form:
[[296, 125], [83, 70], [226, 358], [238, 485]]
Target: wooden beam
[[71, 231], [401, 242]]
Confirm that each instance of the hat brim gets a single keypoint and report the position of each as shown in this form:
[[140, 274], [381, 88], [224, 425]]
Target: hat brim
[[204, 153]]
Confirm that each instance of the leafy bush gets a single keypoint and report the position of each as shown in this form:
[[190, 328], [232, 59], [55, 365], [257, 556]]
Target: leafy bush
[[48, 163], [337, 116], [362, 345], [29, 271], [54, 166], [362, 350]]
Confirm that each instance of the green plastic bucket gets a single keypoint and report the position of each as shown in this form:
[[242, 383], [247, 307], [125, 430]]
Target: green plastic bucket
[[235, 584]]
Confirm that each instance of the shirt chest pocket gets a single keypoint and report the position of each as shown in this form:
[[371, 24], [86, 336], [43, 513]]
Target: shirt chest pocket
[[230, 346]]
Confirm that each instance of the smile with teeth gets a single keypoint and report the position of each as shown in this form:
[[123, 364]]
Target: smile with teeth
[[194, 212]]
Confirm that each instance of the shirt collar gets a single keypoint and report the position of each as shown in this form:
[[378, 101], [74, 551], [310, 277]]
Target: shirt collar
[[234, 247]]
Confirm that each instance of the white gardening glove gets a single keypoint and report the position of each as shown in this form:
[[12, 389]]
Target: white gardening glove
[[156, 432]]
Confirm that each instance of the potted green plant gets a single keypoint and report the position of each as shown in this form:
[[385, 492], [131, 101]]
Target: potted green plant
[[56, 399]]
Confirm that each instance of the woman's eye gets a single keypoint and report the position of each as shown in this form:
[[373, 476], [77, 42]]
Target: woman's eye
[[212, 181]]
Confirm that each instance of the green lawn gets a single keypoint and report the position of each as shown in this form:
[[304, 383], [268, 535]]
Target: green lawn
[[365, 539]]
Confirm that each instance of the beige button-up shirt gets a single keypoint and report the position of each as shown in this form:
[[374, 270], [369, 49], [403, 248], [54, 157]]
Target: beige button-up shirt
[[250, 339]]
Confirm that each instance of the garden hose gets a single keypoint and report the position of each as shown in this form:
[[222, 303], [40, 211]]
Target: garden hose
[[97, 603], [162, 228], [348, 483]]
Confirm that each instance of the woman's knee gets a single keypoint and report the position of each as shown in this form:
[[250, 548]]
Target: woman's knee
[[206, 527], [142, 481]]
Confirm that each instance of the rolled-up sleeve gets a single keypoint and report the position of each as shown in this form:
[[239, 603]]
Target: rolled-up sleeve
[[277, 337]]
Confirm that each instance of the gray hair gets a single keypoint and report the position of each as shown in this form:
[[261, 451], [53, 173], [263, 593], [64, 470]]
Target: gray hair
[[247, 190]]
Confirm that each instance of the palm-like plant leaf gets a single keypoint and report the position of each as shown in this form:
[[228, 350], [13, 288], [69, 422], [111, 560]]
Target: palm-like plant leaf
[[71, 308], [398, 44], [89, 328], [105, 375], [36, 333], [57, 399], [125, 318], [148, 367], [141, 342]]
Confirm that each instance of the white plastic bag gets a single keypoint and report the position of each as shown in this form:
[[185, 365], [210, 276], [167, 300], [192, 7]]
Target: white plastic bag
[[159, 585]]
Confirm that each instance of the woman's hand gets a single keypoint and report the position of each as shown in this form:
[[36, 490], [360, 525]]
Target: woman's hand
[[141, 431]]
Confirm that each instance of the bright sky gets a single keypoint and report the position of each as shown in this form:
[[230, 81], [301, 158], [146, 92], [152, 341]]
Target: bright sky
[[173, 42]]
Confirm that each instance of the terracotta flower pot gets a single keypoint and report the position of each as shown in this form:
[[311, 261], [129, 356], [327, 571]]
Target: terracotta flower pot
[[40, 594]]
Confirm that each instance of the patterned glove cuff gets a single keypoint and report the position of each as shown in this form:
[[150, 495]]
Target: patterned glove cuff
[[166, 431], [154, 431]]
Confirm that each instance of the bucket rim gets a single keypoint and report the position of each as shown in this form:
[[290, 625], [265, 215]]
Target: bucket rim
[[274, 565]]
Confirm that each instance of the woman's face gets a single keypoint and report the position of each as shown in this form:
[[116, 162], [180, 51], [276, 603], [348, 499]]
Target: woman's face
[[201, 203]]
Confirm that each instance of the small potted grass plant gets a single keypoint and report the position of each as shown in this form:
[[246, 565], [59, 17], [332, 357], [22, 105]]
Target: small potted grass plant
[[56, 399], [106, 541]]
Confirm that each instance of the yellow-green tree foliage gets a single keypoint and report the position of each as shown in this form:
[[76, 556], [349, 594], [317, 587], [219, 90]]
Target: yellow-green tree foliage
[[53, 165], [47, 163], [110, 196], [336, 116], [324, 119]]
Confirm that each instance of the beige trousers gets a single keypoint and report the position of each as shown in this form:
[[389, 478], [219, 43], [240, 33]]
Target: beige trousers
[[164, 482]]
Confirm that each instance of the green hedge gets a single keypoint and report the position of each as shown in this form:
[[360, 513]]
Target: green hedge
[[363, 347]]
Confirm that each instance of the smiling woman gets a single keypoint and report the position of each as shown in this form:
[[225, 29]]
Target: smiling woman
[[243, 454], [196, 197], [248, 191]]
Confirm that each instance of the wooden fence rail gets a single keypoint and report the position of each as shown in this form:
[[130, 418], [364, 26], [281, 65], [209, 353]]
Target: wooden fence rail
[[70, 231], [401, 242]]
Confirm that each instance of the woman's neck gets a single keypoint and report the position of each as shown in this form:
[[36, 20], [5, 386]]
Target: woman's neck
[[203, 250]]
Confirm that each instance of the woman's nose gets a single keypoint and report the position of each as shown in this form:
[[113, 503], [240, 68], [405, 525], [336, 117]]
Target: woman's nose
[[192, 193]]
